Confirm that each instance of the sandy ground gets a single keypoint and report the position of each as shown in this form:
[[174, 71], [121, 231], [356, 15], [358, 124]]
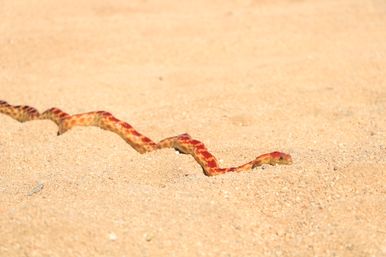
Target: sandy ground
[[245, 77]]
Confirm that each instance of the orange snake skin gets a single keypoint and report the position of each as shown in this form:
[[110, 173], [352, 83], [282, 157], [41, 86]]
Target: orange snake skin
[[183, 143]]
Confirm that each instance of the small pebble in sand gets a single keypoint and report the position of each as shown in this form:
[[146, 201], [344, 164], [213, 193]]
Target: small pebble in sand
[[36, 189], [112, 236], [148, 237]]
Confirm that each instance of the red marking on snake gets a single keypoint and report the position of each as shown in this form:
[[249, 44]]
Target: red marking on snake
[[200, 147], [135, 133], [126, 125], [184, 141], [195, 142], [206, 154], [211, 164], [146, 139], [113, 119]]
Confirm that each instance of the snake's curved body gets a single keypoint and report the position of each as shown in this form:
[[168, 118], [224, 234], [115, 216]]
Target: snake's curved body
[[105, 120]]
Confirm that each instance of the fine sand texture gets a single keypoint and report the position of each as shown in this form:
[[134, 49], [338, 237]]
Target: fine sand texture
[[245, 77]]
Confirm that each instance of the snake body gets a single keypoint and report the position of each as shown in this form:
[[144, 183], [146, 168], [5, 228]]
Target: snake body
[[184, 143]]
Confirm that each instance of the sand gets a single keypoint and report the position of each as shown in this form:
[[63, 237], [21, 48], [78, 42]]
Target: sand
[[245, 77]]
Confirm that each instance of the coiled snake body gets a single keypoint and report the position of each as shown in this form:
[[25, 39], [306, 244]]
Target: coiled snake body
[[184, 143]]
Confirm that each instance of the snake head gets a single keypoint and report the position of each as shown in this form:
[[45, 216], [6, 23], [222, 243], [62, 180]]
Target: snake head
[[280, 158], [272, 159]]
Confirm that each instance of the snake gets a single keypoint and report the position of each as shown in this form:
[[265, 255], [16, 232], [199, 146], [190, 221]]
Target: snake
[[183, 143]]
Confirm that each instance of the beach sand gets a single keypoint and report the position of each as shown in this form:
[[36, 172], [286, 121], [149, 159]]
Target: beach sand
[[244, 77]]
